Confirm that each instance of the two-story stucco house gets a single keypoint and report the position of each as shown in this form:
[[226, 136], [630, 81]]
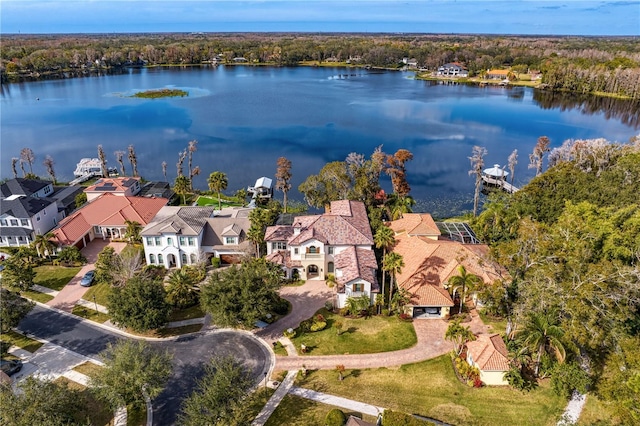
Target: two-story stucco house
[[179, 236], [338, 242], [31, 207]]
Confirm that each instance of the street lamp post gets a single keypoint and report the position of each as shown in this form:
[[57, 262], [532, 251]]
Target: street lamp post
[[95, 303], [265, 386]]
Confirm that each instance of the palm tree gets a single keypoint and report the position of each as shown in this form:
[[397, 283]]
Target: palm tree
[[132, 232], [43, 244], [384, 239], [181, 187], [466, 281], [218, 182], [393, 263], [543, 333], [397, 205], [459, 335], [181, 291]]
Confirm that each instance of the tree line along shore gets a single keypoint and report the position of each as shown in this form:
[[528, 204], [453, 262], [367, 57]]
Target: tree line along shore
[[585, 65]]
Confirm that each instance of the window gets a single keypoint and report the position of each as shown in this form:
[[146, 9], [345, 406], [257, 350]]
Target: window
[[312, 249], [152, 259], [280, 245], [20, 238], [296, 250], [24, 222], [14, 222], [158, 242], [358, 287], [47, 189], [160, 260], [184, 258], [149, 241], [44, 212], [183, 241], [38, 218], [330, 250], [194, 258], [330, 267], [3, 222], [169, 241], [229, 240], [192, 241]]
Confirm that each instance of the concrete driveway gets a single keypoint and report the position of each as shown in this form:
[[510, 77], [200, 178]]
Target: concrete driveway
[[67, 298]]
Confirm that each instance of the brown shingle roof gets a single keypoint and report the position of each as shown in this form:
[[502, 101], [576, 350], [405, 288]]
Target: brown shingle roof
[[489, 352]]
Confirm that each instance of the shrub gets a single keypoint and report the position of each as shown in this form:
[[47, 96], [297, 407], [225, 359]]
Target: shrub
[[335, 417], [394, 418], [320, 318], [215, 262], [289, 333], [318, 326], [281, 307], [328, 306], [405, 317], [386, 312]]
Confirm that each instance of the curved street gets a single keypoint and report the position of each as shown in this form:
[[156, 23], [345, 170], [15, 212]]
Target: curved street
[[190, 352]]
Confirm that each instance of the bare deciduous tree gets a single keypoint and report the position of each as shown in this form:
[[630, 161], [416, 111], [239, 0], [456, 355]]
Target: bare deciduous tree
[[103, 161], [27, 156], [535, 158], [181, 157], [191, 149], [48, 164], [283, 178], [133, 160], [477, 164], [513, 160], [164, 170], [120, 159], [14, 162]]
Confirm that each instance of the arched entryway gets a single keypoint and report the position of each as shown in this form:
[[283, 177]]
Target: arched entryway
[[312, 271], [171, 259]]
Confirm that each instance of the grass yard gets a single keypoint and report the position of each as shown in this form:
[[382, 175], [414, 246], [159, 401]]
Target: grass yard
[[496, 324], [21, 341], [213, 202], [296, 411], [177, 331], [54, 277], [36, 295], [100, 291], [187, 313], [90, 314], [431, 389], [95, 411], [359, 335], [596, 413], [87, 368]]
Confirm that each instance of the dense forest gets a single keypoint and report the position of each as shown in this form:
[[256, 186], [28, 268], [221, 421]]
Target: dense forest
[[599, 65], [570, 240]]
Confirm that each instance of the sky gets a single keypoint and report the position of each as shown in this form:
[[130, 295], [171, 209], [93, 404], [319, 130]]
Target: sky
[[531, 17]]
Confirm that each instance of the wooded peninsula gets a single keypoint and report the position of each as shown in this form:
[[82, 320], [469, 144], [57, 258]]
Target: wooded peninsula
[[584, 65]]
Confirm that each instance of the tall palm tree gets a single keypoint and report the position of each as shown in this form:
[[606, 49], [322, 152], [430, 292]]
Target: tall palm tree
[[393, 263], [218, 182], [459, 335], [466, 281], [181, 187], [181, 291], [43, 244], [133, 230], [542, 333], [384, 239]]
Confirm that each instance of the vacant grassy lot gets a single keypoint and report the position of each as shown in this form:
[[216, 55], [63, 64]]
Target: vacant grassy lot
[[21, 341], [359, 335], [54, 277], [296, 411], [90, 314], [431, 389], [100, 291]]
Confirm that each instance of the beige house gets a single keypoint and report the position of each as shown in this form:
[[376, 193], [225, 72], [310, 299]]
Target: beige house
[[430, 260], [121, 186], [490, 355]]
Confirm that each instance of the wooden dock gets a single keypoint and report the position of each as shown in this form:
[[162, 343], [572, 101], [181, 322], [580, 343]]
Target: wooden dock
[[500, 183]]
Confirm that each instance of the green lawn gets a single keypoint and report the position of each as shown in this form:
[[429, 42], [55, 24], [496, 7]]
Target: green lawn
[[36, 295], [100, 291], [359, 336], [21, 341], [213, 202], [187, 313], [296, 411], [87, 368], [54, 277], [496, 324], [596, 413], [90, 314], [431, 389]]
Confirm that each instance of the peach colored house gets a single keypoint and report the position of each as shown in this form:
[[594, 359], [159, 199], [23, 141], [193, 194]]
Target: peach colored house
[[105, 217], [430, 261], [490, 355], [121, 186]]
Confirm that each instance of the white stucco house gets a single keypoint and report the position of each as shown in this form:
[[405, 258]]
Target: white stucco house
[[184, 235], [337, 242]]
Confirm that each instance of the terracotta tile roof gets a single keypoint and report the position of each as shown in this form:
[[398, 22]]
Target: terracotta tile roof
[[283, 257], [416, 224], [108, 210], [489, 352], [355, 263]]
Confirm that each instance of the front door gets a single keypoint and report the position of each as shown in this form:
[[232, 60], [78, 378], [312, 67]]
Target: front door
[[312, 271]]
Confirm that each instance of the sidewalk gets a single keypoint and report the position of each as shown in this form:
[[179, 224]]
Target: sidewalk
[[275, 399], [337, 401]]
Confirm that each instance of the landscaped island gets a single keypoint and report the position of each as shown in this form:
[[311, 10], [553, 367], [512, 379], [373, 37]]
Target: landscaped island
[[161, 93]]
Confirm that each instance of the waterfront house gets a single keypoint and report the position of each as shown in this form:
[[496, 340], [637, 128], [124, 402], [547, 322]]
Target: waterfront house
[[106, 217], [338, 242], [120, 186], [452, 69], [490, 355], [32, 207], [430, 260], [498, 74], [185, 235]]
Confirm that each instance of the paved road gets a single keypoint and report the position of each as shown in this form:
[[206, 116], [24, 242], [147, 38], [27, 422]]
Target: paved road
[[190, 352]]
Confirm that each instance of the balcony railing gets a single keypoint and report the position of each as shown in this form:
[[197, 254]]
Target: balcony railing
[[312, 256]]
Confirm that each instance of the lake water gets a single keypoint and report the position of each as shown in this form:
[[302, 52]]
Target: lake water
[[244, 118]]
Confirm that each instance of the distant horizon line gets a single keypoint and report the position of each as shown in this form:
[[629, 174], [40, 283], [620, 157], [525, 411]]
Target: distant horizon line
[[399, 33]]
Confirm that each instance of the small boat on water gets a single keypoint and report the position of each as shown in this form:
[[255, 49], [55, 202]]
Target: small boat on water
[[91, 166]]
